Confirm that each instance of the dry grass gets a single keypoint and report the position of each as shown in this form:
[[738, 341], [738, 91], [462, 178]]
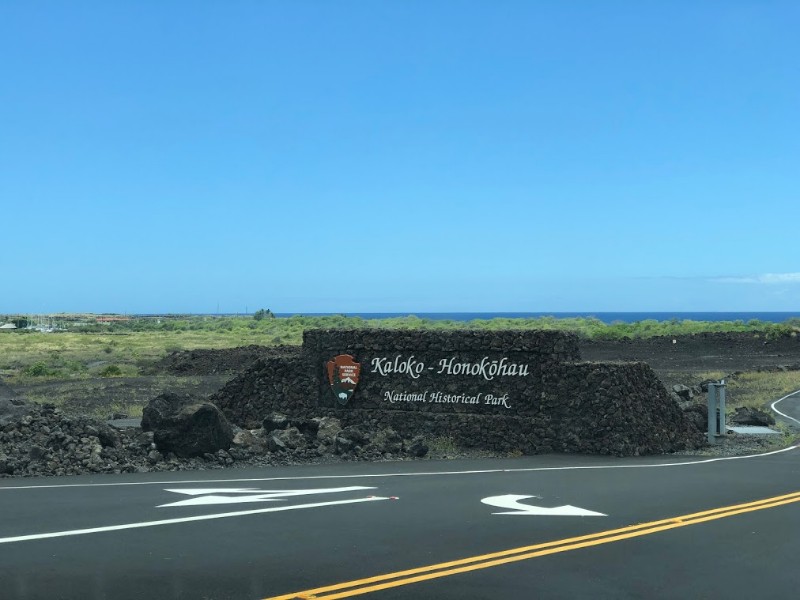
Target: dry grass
[[759, 390], [27, 359], [80, 355], [99, 373], [756, 389], [100, 397]]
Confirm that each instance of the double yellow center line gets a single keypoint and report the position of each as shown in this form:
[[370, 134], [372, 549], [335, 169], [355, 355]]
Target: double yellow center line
[[485, 561]]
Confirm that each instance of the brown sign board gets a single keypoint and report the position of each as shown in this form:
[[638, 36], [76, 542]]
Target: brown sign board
[[343, 375]]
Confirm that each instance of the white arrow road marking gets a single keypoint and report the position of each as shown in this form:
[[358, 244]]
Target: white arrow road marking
[[201, 491], [241, 513], [205, 496], [512, 501], [215, 499]]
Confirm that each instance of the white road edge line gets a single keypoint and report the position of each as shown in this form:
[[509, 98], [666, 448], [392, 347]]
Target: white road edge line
[[772, 406], [240, 513], [412, 474]]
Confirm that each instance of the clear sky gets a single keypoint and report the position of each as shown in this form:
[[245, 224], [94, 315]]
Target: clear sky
[[408, 155]]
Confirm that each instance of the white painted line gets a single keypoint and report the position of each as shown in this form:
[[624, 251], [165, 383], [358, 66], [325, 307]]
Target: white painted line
[[243, 480], [772, 406], [409, 474], [241, 513]]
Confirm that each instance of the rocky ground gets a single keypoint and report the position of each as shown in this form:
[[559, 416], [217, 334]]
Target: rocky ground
[[217, 362], [40, 440], [679, 360], [104, 397], [37, 438]]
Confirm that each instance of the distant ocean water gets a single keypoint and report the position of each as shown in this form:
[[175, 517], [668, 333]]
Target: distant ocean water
[[606, 317]]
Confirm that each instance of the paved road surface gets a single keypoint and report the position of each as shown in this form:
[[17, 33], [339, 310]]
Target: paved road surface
[[788, 409], [464, 529]]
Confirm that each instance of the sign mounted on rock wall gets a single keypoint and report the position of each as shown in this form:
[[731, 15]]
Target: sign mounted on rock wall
[[343, 374], [509, 391], [497, 373], [442, 372]]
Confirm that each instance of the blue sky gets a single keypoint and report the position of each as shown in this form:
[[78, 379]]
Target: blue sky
[[409, 156]]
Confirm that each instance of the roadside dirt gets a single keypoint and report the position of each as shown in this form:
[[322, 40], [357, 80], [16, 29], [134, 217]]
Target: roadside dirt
[[197, 372], [102, 397]]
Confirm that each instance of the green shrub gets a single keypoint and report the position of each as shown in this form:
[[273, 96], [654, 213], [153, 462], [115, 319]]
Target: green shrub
[[111, 371], [38, 369]]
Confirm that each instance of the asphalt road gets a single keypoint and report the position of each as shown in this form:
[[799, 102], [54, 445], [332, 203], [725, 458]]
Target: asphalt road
[[788, 409], [666, 529]]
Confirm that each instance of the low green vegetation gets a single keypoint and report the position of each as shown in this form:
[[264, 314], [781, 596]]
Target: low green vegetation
[[100, 368], [265, 325], [91, 348]]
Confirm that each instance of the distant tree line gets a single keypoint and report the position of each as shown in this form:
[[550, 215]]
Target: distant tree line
[[290, 329]]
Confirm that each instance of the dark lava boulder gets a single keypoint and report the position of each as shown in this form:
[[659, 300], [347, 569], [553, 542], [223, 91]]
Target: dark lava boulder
[[11, 406], [418, 447], [213, 361], [697, 415], [10, 411], [744, 415], [186, 425], [286, 439], [275, 421]]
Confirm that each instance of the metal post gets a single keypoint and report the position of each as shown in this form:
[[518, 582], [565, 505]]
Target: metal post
[[712, 413], [723, 429]]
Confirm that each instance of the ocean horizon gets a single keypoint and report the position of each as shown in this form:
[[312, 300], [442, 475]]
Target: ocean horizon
[[605, 317]]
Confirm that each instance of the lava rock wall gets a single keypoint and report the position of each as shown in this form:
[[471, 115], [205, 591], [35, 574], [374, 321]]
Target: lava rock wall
[[277, 384], [509, 391]]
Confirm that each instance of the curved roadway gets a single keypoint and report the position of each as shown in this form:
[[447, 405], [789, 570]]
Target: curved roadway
[[534, 527], [788, 407]]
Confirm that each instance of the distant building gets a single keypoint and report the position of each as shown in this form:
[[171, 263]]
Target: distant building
[[8, 326]]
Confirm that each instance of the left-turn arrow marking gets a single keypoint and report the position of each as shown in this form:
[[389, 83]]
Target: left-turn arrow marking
[[512, 501]]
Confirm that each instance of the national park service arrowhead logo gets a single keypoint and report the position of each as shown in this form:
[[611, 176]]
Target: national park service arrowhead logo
[[343, 373]]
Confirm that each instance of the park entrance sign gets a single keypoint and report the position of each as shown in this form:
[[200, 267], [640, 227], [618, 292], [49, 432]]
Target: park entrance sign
[[514, 391], [454, 366], [479, 373]]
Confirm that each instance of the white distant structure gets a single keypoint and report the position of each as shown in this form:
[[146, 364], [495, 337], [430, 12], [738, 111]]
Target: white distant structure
[[8, 326], [42, 323]]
